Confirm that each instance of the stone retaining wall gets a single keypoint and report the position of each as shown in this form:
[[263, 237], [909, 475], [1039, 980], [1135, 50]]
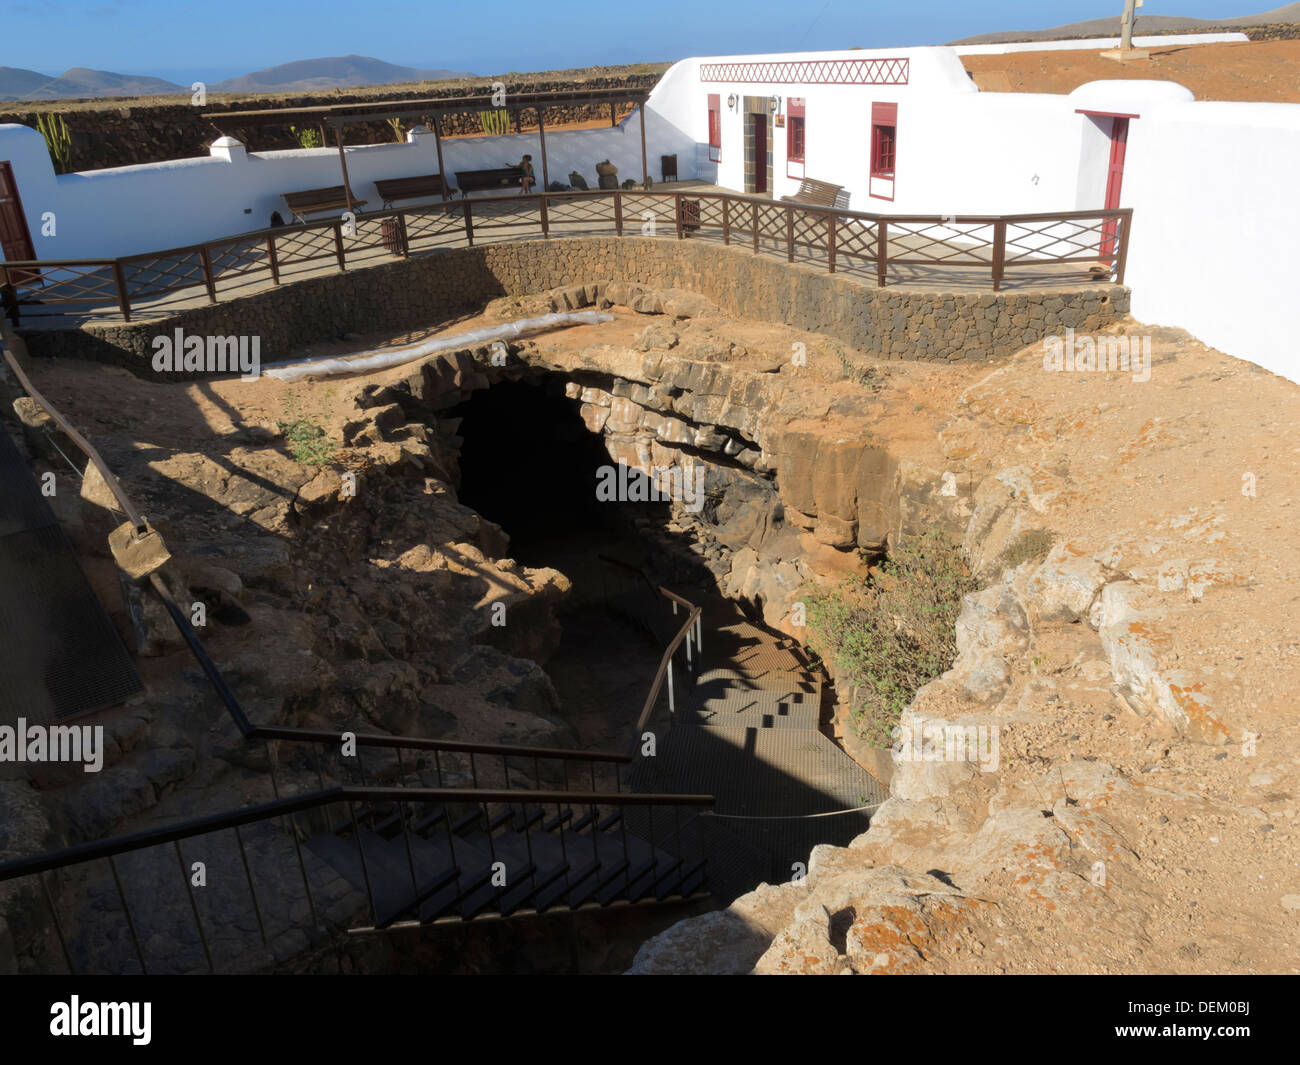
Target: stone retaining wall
[[892, 322]]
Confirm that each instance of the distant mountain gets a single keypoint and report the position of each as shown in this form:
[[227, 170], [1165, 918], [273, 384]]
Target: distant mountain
[[1109, 27], [19, 84], [15, 82], [339, 72]]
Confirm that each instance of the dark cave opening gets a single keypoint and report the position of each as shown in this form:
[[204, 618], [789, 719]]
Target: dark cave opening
[[530, 464]]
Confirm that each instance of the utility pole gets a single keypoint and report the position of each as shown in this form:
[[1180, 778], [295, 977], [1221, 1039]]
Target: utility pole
[[1126, 51]]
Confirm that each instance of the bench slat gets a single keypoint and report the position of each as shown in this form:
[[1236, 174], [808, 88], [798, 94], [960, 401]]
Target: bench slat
[[408, 188], [817, 193]]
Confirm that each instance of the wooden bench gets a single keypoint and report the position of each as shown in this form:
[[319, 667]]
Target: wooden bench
[[309, 201], [409, 188], [498, 177], [816, 193]]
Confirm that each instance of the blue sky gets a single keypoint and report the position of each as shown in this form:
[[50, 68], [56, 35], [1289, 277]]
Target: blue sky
[[187, 40]]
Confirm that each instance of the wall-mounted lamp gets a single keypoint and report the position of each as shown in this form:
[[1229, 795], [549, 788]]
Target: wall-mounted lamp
[[731, 101], [774, 104]]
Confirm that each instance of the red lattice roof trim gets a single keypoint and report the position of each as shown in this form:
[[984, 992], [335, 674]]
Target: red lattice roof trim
[[811, 72]]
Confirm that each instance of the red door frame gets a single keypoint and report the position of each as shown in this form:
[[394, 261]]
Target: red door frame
[[1114, 184], [15, 238], [1114, 176]]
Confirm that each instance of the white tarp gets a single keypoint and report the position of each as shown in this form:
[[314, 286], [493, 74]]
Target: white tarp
[[383, 358]]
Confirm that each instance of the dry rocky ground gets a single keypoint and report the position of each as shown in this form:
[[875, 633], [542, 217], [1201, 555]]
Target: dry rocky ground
[[1144, 811], [1235, 70]]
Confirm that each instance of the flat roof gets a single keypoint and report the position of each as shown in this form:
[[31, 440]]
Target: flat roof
[[344, 114]]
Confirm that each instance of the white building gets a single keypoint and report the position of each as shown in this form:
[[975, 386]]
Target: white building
[[905, 131]]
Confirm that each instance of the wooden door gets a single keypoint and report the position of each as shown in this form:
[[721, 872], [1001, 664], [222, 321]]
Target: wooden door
[[15, 238]]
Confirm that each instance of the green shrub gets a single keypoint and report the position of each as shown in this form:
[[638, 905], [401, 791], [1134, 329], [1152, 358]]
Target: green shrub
[[306, 437], [1033, 544], [307, 138], [893, 632], [866, 376]]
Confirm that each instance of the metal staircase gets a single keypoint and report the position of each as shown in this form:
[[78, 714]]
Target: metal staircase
[[749, 726]]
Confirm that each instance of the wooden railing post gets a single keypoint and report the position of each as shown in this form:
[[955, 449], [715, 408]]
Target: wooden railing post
[[272, 258], [469, 222], [401, 235], [882, 251], [123, 300], [726, 220], [677, 210], [789, 234], [999, 252], [618, 210], [208, 279], [338, 246], [546, 226], [830, 243], [753, 221], [1126, 223]]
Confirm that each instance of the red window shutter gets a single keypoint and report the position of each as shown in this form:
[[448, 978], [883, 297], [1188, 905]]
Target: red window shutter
[[796, 135], [884, 126], [715, 120]]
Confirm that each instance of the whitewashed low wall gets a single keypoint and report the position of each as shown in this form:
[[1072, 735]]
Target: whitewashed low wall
[[1167, 41], [125, 210]]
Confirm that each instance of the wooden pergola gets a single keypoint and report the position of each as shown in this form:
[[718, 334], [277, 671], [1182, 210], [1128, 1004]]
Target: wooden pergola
[[337, 116]]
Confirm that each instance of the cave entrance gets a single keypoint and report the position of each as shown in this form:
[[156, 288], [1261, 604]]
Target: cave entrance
[[530, 464]]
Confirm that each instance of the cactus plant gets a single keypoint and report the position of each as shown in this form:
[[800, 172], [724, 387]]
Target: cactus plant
[[57, 139], [494, 122]]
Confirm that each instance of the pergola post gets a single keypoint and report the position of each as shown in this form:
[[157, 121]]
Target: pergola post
[[343, 165], [645, 173], [541, 129], [437, 143]]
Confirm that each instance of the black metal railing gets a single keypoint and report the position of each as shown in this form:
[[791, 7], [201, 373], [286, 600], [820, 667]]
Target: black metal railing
[[150, 912]]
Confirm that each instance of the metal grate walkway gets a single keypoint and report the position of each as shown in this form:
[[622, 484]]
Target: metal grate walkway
[[748, 734]]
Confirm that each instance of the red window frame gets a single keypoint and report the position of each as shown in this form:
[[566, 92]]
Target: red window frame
[[796, 134], [715, 127], [884, 145]]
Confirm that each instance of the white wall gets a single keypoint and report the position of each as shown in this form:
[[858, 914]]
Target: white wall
[[130, 209], [1216, 226]]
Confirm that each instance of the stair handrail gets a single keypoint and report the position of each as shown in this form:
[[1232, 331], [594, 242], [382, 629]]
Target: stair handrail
[[684, 635], [197, 826], [691, 629]]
